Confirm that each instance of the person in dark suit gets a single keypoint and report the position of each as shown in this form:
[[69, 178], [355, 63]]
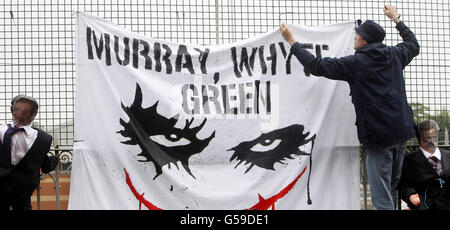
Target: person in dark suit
[[23, 154], [424, 183]]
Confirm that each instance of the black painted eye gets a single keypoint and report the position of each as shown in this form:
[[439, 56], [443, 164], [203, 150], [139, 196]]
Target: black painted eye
[[267, 142], [172, 137], [160, 141], [276, 146], [266, 145], [169, 140]]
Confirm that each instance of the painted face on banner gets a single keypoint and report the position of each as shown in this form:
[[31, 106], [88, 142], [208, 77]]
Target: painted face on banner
[[164, 144], [166, 125]]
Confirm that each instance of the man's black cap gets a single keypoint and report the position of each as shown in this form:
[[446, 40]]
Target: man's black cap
[[371, 31]]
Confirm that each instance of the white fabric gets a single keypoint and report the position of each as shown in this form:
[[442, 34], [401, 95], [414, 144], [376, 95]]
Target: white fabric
[[108, 173]]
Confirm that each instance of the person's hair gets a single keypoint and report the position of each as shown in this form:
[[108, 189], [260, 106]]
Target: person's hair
[[425, 126], [27, 99]]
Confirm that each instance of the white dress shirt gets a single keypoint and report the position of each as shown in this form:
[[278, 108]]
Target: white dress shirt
[[437, 153], [21, 141]]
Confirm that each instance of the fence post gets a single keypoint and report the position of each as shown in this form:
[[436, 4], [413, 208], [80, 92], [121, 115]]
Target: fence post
[[38, 195], [57, 179], [364, 177], [217, 22], [446, 142]]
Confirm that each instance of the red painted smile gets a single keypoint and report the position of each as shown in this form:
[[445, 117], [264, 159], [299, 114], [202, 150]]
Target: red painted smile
[[263, 204]]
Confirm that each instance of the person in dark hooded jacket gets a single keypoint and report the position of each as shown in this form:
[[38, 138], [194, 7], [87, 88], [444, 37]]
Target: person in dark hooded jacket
[[384, 119]]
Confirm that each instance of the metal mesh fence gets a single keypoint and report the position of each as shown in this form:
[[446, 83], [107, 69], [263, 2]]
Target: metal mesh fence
[[37, 43]]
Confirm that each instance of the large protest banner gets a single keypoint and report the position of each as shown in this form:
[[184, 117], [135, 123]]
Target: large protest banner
[[162, 125]]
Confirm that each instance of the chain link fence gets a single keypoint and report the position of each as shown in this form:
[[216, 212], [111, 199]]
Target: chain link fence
[[37, 44]]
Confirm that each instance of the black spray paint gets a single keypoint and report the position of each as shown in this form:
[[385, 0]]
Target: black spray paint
[[279, 145], [146, 123], [159, 56]]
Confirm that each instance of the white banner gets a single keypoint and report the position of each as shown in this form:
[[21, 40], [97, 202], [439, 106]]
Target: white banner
[[161, 125]]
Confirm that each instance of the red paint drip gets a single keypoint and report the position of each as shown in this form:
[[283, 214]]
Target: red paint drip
[[139, 197], [264, 204]]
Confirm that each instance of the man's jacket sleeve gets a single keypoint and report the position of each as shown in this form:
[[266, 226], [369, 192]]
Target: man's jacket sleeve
[[409, 48], [405, 187], [50, 162], [332, 68]]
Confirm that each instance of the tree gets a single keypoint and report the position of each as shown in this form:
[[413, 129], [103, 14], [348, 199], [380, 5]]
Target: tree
[[420, 112]]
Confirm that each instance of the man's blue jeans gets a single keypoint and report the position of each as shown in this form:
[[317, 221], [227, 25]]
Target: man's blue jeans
[[384, 168]]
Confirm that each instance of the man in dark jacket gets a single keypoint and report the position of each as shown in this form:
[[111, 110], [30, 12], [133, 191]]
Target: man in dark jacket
[[383, 117], [23, 154]]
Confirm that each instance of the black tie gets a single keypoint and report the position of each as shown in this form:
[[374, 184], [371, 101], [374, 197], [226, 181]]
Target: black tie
[[7, 138]]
